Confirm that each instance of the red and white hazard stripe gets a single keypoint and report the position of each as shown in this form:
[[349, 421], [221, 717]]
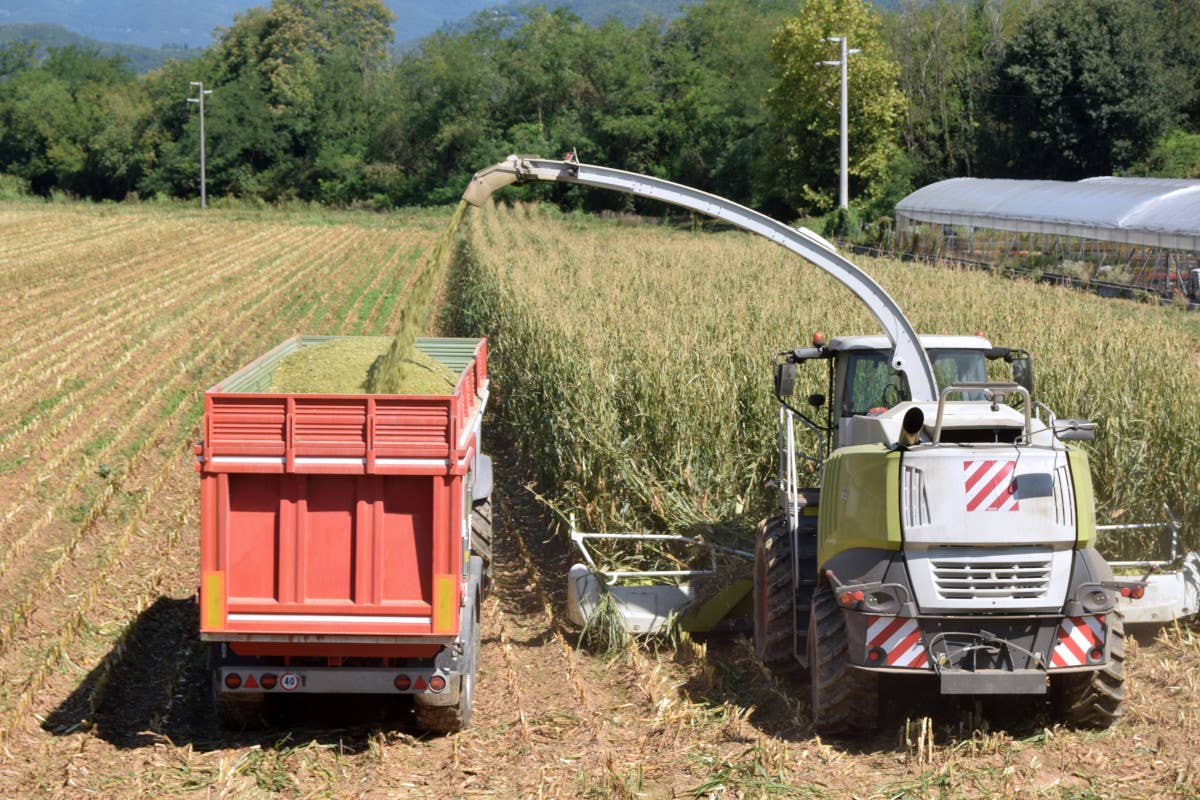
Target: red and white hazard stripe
[[1077, 638], [899, 639], [990, 485]]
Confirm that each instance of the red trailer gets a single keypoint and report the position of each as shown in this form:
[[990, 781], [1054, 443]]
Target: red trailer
[[345, 540]]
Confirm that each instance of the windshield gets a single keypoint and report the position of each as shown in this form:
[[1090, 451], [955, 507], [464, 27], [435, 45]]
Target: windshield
[[872, 383]]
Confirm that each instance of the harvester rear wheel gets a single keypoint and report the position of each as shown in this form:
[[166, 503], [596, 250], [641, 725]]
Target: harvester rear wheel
[[775, 598], [1095, 699], [844, 699], [481, 538]]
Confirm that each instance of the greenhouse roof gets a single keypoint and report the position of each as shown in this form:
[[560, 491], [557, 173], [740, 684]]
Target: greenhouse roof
[[1157, 212]]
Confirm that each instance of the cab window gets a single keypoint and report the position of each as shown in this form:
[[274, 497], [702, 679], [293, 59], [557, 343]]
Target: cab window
[[872, 383]]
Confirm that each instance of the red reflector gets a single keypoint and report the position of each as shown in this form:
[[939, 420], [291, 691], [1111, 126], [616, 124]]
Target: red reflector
[[403, 683], [1138, 592], [420, 685], [858, 596], [250, 682], [437, 683], [1126, 591], [267, 681], [1096, 655], [233, 680], [874, 654]]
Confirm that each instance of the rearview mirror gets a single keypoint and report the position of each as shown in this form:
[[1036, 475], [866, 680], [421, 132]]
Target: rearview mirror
[[1075, 430], [785, 379], [1022, 367]]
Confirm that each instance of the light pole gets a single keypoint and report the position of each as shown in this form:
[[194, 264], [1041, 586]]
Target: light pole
[[844, 184], [199, 99]]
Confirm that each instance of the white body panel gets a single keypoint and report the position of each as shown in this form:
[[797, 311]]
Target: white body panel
[[988, 527]]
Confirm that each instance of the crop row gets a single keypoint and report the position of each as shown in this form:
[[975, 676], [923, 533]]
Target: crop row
[[636, 364], [165, 354]]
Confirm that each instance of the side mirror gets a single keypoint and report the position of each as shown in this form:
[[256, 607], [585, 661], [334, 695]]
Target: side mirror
[[1075, 430], [1022, 366], [816, 400], [785, 379]]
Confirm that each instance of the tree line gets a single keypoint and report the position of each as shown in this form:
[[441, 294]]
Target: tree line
[[310, 103]]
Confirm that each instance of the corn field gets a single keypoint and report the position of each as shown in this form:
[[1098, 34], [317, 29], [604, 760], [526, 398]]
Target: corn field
[[637, 366]]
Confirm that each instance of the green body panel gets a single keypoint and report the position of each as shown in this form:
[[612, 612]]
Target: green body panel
[[860, 501], [1085, 498], [732, 601]]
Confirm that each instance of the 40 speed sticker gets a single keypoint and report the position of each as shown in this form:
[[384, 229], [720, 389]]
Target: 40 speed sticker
[[289, 681]]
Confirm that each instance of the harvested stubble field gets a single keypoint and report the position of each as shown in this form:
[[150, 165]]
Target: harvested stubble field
[[116, 319]]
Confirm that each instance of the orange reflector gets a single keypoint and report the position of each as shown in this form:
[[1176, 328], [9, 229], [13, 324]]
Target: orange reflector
[[403, 683], [444, 606], [213, 589], [267, 681], [437, 683], [1138, 592], [233, 680], [846, 599]]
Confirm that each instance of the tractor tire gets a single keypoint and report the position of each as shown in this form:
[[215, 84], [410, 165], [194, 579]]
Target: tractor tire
[[454, 718], [845, 700], [1094, 699], [775, 598], [481, 539]]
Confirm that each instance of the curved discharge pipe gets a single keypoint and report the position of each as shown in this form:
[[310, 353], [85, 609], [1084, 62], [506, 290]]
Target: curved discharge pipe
[[907, 355]]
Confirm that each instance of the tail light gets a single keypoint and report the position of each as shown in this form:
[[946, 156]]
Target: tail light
[[233, 681], [437, 683], [403, 683], [267, 680]]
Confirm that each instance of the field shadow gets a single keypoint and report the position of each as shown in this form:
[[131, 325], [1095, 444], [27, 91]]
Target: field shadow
[[781, 708], [154, 686]]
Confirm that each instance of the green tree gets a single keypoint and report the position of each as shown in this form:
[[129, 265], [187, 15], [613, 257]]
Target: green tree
[[802, 170], [1081, 91]]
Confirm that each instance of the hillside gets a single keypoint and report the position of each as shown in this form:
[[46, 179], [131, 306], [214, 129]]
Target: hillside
[[141, 59], [153, 23]]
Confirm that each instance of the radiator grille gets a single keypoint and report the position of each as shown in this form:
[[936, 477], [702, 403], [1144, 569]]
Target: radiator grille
[[1019, 577]]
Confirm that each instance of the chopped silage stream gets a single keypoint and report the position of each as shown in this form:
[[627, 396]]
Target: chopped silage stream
[[343, 366]]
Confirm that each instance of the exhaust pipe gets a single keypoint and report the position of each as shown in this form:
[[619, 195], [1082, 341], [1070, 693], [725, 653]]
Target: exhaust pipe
[[910, 428]]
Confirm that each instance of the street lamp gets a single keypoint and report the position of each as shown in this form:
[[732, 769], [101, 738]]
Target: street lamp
[[199, 99], [844, 185]]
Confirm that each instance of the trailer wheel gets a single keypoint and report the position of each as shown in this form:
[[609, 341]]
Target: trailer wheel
[[775, 598], [481, 538], [844, 699], [1094, 699], [453, 718]]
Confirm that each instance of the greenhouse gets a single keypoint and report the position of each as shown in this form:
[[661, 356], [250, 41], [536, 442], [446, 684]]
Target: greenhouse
[[1121, 232]]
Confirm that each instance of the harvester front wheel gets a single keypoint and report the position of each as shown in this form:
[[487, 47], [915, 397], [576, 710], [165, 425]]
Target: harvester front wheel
[[1094, 699], [844, 699], [775, 598]]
